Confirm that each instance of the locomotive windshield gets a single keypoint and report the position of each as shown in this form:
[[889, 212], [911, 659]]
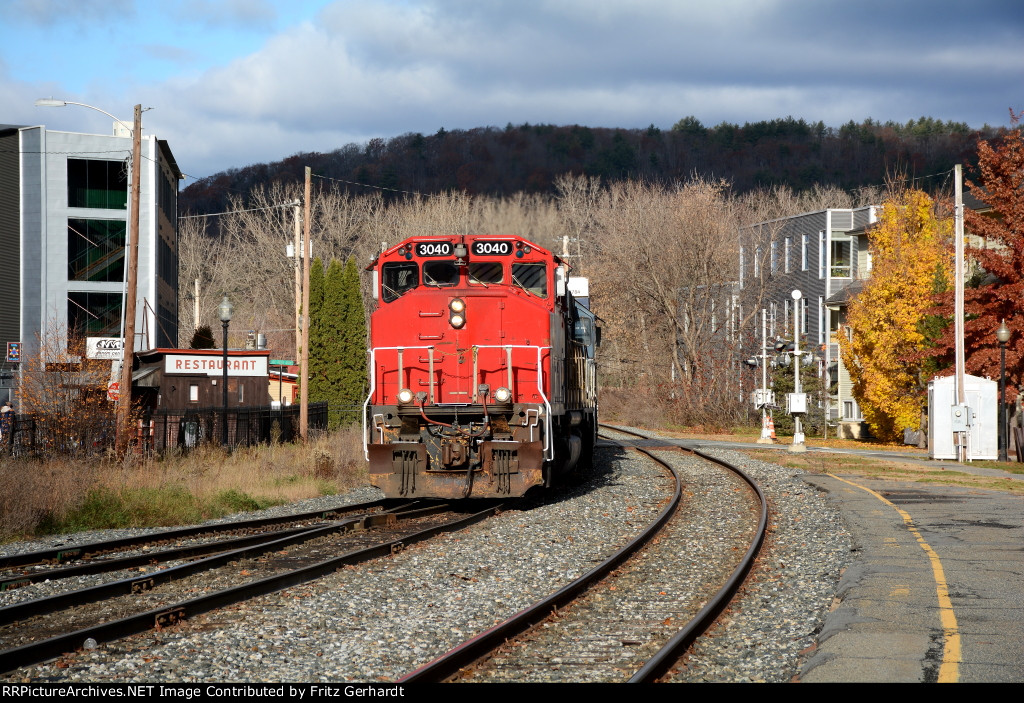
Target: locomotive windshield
[[399, 278], [484, 272], [533, 278], [440, 273]]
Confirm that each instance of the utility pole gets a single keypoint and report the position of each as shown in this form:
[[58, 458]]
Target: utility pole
[[297, 256], [124, 398], [958, 308], [304, 357]]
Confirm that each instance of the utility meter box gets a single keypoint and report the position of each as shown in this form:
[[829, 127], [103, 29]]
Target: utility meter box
[[978, 419], [962, 418], [796, 403]]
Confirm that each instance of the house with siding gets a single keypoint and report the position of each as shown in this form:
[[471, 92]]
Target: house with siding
[[825, 255]]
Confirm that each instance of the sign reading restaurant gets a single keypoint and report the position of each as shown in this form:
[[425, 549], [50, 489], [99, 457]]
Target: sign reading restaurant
[[196, 364]]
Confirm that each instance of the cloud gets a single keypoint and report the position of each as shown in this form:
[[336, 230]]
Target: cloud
[[358, 70], [52, 12], [252, 14]]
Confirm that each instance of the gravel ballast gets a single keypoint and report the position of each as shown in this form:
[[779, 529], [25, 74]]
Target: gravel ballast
[[377, 621]]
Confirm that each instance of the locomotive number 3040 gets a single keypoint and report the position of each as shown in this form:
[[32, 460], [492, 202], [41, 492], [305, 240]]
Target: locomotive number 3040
[[434, 249], [492, 248]]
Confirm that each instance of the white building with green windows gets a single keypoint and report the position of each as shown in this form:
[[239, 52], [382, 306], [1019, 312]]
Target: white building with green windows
[[825, 255], [64, 210]]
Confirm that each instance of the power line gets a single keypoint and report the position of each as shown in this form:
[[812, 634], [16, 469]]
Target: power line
[[234, 212], [367, 185]]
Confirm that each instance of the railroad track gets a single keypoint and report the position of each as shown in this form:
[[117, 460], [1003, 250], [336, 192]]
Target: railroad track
[[67, 562], [621, 622], [39, 629]]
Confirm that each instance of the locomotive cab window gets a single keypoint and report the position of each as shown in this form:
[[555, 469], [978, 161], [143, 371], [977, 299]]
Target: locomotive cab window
[[440, 273], [531, 277], [398, 279], [484, 272], [583, 331]]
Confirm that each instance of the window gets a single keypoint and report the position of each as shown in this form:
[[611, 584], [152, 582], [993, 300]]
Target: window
[[822, 312], [398, 279], [803, 252], [785, 255], [851, 411], [94, 314], [97, 184], [96, 250], [440, 273], [841, 258], [193, 393], [484, 272], [757, 262], [531, 277], [821, 255], [774, 263]]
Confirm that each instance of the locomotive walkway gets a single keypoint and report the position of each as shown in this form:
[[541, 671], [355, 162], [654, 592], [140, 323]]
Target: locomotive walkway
[[936, 591]]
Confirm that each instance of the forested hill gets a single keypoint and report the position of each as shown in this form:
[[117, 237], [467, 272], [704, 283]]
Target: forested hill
[[496, 161]]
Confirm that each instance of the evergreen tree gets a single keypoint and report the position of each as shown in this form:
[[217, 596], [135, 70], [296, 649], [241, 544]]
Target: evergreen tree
[[202, 338], [337, 366], [318, 354], [782, 382], [353, 352]]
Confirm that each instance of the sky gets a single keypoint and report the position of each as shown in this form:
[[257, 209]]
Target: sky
[[234, 82]]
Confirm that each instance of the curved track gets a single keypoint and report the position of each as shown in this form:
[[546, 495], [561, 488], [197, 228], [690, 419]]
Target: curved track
[[486, 643]]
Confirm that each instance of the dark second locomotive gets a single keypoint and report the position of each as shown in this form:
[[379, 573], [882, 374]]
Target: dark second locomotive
[[482, 376]]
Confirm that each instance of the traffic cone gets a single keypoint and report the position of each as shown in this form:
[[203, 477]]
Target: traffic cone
[[771, 427]]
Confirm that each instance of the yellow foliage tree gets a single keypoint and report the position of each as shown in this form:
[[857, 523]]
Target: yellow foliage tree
[[908, 263]]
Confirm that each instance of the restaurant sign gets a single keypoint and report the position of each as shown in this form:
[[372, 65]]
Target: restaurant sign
[[200, 364]]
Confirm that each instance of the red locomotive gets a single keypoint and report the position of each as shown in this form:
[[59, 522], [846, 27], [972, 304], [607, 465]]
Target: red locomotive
[[482, 376]]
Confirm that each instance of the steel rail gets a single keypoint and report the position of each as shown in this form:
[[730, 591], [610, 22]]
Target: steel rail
[[63, 554], [657, 665], [479, 646], [660, 663], [246, 548], [171, 614], [98, 566]]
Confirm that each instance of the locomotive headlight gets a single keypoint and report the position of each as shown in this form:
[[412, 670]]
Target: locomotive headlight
[[457, 315], [405, 396], [502, 395]]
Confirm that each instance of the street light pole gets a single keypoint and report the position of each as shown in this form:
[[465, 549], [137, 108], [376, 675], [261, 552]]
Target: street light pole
[[1003, 335], [224, 310], [124, 398]]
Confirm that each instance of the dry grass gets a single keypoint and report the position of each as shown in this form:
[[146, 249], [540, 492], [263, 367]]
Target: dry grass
[[67, 493]]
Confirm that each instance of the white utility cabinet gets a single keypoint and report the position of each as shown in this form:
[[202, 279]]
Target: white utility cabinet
[[982, 406]]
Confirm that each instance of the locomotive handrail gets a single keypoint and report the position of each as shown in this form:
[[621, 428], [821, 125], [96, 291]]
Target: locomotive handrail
[[373, 385], [549, 452], [548, 447]]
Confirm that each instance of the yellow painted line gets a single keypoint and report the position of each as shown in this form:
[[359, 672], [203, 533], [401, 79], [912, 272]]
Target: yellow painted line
[[949, 671]]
